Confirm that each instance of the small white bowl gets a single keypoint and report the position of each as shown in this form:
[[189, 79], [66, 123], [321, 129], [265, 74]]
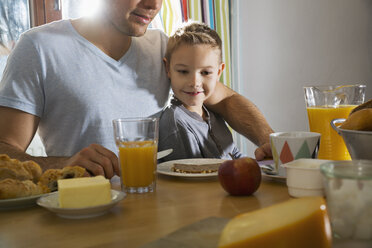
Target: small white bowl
[[304, 177]]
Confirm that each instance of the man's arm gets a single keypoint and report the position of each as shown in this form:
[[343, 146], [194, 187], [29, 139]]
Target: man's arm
[[243, 116], [17, 129]]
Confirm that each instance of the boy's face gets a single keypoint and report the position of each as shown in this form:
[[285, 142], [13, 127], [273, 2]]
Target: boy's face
[[131, 17], [194, 71]]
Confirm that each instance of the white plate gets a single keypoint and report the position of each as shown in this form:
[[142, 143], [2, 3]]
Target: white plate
[[21, 202], [166, 167], [50, 202]]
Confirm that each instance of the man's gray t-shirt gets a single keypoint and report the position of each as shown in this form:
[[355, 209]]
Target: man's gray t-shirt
[[77, 90], [191, 137]]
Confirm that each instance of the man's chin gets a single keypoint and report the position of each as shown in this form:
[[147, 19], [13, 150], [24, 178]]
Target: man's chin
[[137, 30], [139, 34]]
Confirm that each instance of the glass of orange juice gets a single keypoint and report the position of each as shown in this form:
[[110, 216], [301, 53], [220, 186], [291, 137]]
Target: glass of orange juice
[[137, 141], [325, 103]]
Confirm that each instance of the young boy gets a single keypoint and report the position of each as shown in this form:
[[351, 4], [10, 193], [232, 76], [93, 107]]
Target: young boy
[[193, 61]]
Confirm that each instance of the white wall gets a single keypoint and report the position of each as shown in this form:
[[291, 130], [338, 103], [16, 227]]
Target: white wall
[[279, 46]]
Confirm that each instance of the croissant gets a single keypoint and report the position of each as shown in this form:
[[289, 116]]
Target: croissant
[[12, 188], [20, 179], [360, 120], [15, 169], [50, 177], [365, 105]]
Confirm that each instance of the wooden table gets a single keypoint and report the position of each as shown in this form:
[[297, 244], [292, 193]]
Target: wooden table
[[136, 220]]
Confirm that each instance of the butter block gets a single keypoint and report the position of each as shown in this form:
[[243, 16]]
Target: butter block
[[301, 222], [84, 192]]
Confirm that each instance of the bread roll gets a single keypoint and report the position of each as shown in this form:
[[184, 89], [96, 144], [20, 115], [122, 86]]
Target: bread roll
[[12, 188], [15, 169]]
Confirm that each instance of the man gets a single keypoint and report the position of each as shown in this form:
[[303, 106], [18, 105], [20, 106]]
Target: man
[[69, 79]]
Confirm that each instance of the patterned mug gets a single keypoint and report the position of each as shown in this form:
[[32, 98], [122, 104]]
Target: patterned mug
[[289, 146]]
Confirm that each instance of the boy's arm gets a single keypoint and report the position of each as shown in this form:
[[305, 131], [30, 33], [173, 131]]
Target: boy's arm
[[243, 116]]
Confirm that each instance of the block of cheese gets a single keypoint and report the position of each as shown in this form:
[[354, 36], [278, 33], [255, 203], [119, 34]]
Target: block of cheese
[[301, 222], [84, 192]]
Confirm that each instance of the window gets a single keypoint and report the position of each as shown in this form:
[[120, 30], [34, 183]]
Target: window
[[14, 20], [45, 11], [18, 16], [74, 9]]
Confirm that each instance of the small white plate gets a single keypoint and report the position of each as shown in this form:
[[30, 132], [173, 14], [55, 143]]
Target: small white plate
[[166, 167], [267, 174], [50, 202], [277, 178], [21, 202]]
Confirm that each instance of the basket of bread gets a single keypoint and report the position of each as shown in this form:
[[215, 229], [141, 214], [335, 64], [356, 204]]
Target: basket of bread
[[23, 179], [356, 131]]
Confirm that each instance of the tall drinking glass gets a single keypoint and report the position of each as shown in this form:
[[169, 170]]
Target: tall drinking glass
[[325, 103], [137, 140]]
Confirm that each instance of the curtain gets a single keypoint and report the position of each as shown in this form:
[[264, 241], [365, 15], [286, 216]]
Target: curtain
[[214, 13]]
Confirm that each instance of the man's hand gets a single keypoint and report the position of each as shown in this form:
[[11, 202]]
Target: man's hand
[[263, 152], [97, 160], [17, 129]]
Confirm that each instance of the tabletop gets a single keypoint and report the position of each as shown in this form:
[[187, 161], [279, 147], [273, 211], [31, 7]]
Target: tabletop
[[139, 218]]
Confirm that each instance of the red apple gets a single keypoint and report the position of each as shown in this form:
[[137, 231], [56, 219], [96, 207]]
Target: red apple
[[240, 176]]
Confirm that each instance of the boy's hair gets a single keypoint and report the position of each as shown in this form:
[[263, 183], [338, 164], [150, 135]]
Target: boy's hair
[[193, 34]]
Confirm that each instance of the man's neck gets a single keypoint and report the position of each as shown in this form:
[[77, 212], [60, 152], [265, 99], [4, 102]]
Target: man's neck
[[103, 35]]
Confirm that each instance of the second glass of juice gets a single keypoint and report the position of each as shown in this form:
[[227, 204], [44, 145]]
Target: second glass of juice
[[137, 141], [325, 103]]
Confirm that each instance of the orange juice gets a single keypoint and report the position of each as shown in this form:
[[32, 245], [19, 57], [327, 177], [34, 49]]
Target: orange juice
[[138, 163], [332, 145]]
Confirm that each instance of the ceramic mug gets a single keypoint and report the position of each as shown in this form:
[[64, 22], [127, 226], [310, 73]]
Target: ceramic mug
[[289, 146]]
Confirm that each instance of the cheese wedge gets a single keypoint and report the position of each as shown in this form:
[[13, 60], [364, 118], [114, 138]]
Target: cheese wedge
[[301, 222], [84, 192]]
